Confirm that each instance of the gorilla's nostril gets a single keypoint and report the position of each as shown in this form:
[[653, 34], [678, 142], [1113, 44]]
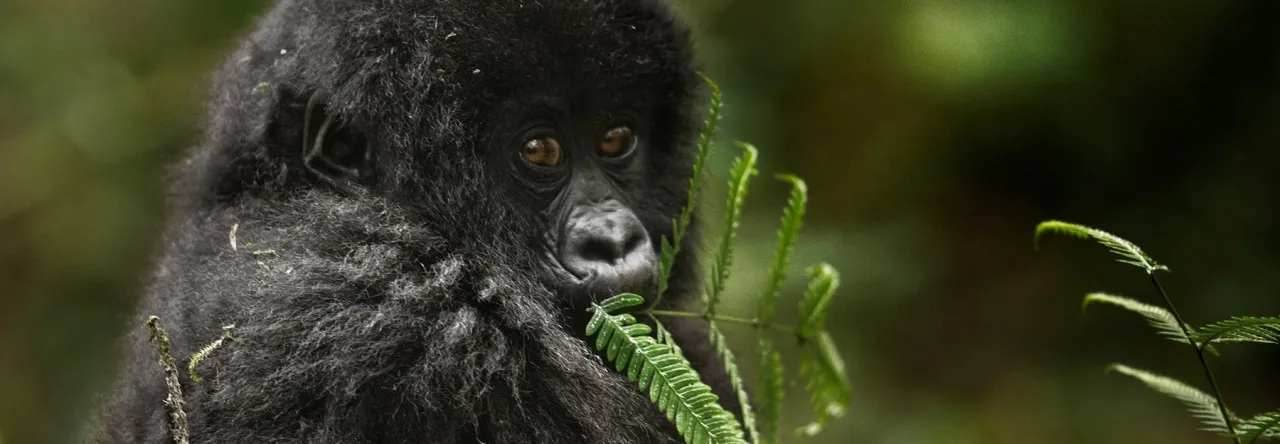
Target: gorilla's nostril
[[599, 249], [635, 241], [603, 241]]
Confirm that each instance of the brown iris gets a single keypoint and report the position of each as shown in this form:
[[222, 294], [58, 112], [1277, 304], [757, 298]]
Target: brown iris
[[617, 142], [543, 151]]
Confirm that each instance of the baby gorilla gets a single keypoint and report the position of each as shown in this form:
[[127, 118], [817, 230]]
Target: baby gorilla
[[405, 208]]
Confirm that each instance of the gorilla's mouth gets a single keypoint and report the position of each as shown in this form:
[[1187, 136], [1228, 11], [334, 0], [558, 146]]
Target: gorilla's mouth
[[636, 273]]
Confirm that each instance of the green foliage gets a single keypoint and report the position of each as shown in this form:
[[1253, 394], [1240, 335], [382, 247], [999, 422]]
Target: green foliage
[[769, 393], [820, 364], [1241, 329], [1263, 426], [651, 357], [735, 378], [1128, 252], [769, 387], [671, 381], [671, 247], [664, 337], [825, 380], [1159, 318], [743, 168], [823, 281], [792, 220], [1209, 409], [205, 351], [1201, 405]]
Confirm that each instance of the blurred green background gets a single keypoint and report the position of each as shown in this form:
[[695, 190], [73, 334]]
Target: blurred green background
[[933, 134]]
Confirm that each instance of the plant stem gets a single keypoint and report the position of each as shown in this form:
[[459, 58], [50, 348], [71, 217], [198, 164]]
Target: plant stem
[[174, 401], [1213, 383], [722, 318]]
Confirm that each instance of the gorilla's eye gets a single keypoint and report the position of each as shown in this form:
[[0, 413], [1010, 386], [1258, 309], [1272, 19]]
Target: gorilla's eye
[[544, 151], [617, 142]]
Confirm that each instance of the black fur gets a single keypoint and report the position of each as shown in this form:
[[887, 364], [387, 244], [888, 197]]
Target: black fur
[[416, 306]]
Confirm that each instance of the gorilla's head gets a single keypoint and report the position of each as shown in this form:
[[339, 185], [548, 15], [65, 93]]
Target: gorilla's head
[[554, 136]]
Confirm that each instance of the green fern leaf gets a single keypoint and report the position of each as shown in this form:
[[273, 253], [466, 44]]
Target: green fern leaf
[[664, 336], [1241, 329], [1263, 426], [1164, 322], [792, 219], [672, 383], [743, 168], [1201, 405], [735, 379], [671, 247], [1129, 252], [205, 351], [825, 380], [823, 281], [769, 393]]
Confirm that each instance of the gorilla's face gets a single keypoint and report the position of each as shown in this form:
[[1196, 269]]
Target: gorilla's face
[[581, 164], [554, 137]]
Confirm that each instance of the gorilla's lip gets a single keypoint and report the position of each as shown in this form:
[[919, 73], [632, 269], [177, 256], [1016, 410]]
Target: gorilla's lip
[[587, 287], [592, 284]]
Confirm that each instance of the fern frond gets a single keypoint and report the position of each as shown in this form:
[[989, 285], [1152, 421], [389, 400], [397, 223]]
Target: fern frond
[[664, 336], [769, 393], [1201, 405], [205, 351], [792, 219], [672, 383], [820, 363], [1129, 252], [825, 380], [743, 168], [1159, 318], [1241, 329], [735, 379], [823, 281], [1263, 426], [671, 247]]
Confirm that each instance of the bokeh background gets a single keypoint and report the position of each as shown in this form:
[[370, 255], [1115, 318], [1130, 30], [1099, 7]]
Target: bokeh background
[[933, 134]]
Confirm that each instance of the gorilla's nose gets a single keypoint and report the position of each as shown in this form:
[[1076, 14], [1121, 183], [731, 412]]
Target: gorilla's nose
[[609, 249]]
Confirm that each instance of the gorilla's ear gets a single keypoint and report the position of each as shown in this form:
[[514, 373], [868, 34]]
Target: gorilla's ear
[[330, 150], [318, 146]]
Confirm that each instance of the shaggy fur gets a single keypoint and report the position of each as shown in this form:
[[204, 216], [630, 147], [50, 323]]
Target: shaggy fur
[[416, 308]]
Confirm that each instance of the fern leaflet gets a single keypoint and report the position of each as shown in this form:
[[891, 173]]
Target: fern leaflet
[[1128, 251], [743, 168], [1263, 426], [735, 379], [1159, 318], [671, 247], [670, 380], [825, 380], [769, 392], [820, 363], [792, 219], [1201, 405], [664, 336], [1241, 329], [823, 281]]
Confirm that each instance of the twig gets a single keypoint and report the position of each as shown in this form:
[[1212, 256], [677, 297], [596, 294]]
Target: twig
[[174, 400], [722, 318], [1213, 383]]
